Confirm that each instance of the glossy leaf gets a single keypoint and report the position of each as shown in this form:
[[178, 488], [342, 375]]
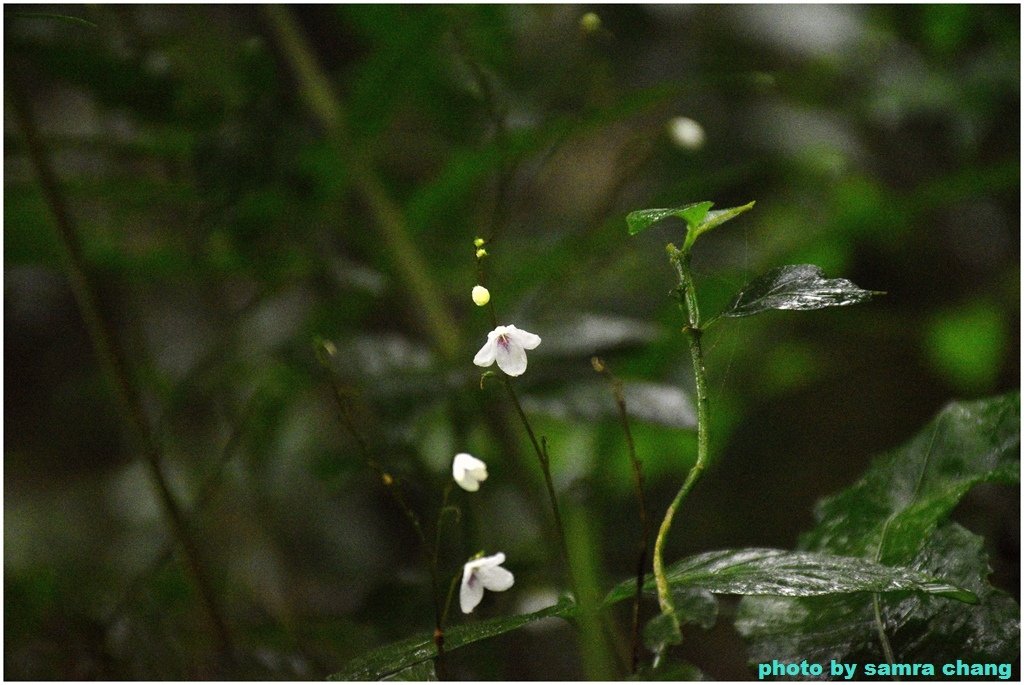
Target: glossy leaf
[[896, 513], [920, 628], [424, 671], [892, 509], [392, 659], [793, 574], [799, 286]]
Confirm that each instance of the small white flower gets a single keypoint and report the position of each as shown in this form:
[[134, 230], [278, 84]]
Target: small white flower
[[468, 471], [686, 133], [480, 574], [507, 345], [481, 295]]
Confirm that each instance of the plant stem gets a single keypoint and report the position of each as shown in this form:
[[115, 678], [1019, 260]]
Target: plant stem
[[541, 449], [319, 96], [430, 554], [638, 485], [681, 260], [111, 356]]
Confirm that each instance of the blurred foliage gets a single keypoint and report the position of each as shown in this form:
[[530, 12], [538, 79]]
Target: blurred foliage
[[226, 228]]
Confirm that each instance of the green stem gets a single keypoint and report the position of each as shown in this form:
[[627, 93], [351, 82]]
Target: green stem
[[319, 96], [545, 466], [681, 260]]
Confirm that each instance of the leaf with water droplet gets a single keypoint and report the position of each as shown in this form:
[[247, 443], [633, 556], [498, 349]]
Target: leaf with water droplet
[[798, 287]]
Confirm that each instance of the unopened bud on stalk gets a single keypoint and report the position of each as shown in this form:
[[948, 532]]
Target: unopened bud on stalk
[[481, 295]]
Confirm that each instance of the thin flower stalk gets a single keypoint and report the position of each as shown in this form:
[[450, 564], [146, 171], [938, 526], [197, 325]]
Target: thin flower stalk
[[324, 351], [645, 526]]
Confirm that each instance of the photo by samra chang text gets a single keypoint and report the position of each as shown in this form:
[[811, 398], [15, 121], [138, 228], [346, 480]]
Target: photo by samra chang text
[[851, 671]]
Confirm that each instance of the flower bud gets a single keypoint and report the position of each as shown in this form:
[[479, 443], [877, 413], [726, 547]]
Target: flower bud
[[481, 295], [590, 22]]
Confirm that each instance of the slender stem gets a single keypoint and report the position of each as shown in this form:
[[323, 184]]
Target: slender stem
[[430, 554], [321, 99], [112, 358], [638, 484], [681, 260], [541, 449]]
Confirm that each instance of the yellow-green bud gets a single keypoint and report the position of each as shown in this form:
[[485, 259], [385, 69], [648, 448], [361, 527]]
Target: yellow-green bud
[[481, 253], [479, 242], [481, 295], [590, 22]]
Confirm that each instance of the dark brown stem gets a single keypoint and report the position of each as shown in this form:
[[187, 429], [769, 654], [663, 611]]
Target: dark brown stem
[[112, 358], [430, 553]]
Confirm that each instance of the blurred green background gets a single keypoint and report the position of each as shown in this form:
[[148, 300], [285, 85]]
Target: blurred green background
[[246, 180]]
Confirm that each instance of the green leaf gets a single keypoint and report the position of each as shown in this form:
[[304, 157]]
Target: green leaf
[[423, 671], [798, 286], [793, 574], [692, 214], [718, 217], [698, 217], [920, 628], [892, 509], [392, 659], [895, 513]]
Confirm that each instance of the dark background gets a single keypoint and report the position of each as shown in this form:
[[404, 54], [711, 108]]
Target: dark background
[[232, 209]]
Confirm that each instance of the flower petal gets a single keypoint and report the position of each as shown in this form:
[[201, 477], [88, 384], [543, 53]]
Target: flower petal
[[495, 578], [511, 358], [527, 340], [485, 357], [471, 592], [468, 471]]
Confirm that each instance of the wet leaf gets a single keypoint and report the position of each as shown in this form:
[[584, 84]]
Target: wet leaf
[[800, 287], [793, 574], [920, 628], [394, 658], [896, 513]]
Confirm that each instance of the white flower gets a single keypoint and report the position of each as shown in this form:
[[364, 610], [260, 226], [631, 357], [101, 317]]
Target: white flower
[[507, 345], [481, 295], [468, 471], [686, 133], [480, 574]]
